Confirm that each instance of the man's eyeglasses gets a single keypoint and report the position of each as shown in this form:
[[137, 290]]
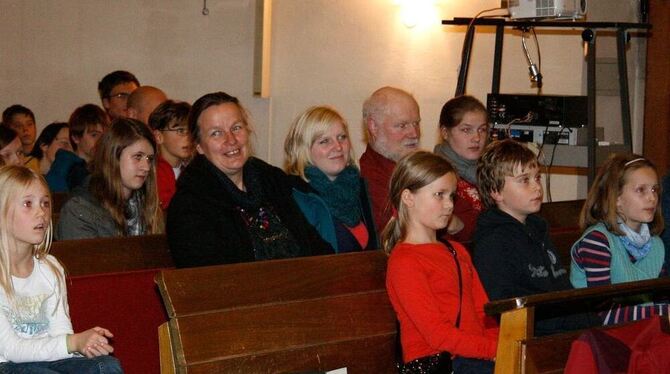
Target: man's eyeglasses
[[121, 95], [181, 131]]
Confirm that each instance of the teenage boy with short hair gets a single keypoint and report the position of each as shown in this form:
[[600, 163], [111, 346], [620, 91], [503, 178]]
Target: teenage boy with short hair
[[87, 124], [175, 148], [22, 120], [513, 254], [114, 89]]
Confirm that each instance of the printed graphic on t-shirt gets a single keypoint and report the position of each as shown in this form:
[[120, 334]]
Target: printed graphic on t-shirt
[[537, 271], [554, 262], [29, 317]]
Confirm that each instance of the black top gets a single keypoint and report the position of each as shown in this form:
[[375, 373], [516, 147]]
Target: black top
[[204, 224], [515, 259]]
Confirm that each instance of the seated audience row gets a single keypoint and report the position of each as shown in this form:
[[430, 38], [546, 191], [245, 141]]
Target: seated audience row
[[225, 206], [513, 255]]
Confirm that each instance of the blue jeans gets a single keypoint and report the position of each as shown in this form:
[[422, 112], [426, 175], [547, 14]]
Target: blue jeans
[[462, 365], [75, 365]]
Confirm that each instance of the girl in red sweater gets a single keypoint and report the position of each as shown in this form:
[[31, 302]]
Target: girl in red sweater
[[433, 286]]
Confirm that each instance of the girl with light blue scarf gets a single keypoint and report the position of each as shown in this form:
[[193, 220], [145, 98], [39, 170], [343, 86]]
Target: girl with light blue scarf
[[622, 221]]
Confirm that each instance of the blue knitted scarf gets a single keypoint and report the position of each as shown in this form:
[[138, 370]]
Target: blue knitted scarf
[[341, 195]]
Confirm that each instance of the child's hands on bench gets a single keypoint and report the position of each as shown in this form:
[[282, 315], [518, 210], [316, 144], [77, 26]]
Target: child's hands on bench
[[91, 343]]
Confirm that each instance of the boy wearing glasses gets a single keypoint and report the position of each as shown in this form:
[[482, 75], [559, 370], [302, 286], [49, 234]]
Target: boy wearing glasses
[[175, 148], [114, 90]]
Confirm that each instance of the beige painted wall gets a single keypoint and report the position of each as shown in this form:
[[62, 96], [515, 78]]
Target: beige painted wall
[[52, 53]]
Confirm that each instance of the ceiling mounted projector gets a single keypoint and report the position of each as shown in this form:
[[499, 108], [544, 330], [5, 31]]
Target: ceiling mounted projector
[[546, 9]]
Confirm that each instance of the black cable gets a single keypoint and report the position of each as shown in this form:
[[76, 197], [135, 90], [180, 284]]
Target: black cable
[[467, 30], [551, 163]]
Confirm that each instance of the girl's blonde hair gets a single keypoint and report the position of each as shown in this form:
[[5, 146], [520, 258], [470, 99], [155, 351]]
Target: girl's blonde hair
[[14, 181], [106, 183], [601, 202], [412, 172], [305, 130]]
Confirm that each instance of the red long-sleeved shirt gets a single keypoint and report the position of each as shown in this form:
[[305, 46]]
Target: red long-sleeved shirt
[[422, 283]]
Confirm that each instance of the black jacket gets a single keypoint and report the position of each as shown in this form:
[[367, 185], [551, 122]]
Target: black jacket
[[515, 259], [204, 226]]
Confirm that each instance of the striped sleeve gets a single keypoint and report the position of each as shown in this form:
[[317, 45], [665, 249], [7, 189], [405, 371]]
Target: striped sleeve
[[593, 255], [621, 313]]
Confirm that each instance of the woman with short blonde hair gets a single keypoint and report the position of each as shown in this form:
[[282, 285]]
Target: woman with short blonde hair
[[318, 149]]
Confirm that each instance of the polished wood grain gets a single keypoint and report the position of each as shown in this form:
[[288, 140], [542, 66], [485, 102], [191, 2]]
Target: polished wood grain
[[267, 282], [111, 255], [659, 285], [297, 315]]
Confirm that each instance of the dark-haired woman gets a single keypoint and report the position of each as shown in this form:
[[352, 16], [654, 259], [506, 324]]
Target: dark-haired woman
[[229, 206], [54, 137]]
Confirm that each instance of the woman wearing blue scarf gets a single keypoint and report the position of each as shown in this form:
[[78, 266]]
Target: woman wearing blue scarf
[[336, 202], [622, 220]]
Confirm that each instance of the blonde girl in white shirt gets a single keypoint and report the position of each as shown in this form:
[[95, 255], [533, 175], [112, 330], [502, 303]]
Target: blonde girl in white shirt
[[35, 330]]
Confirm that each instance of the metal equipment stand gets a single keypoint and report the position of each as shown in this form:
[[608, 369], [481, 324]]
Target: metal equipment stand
[[589, 36]]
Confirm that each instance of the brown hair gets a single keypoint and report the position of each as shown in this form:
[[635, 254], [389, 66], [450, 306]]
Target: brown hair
[[106, 183], [169, 114], [209, 100], [86, 116], [412, 172], [601, 202], [455, 109], [499, 160]]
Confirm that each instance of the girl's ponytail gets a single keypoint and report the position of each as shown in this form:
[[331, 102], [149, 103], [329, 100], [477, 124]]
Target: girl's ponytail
[[412, 172], [391, 235]]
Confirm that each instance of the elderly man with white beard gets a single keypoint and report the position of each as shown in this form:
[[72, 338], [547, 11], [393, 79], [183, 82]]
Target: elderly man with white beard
[[392, 120]]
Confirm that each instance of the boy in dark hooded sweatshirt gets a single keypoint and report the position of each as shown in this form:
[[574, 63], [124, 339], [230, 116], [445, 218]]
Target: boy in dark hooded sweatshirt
[[512, 250]]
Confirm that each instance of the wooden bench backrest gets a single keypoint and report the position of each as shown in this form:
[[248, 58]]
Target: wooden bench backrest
[[563, 241], [517, 316], [111, 255], [305, 314], [561, 214]]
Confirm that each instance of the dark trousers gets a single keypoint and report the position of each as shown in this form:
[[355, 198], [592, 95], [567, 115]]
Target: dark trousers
[[75, 365], [462, 365]]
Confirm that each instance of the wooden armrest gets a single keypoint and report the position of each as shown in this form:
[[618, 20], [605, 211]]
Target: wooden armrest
[[590, 293]]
